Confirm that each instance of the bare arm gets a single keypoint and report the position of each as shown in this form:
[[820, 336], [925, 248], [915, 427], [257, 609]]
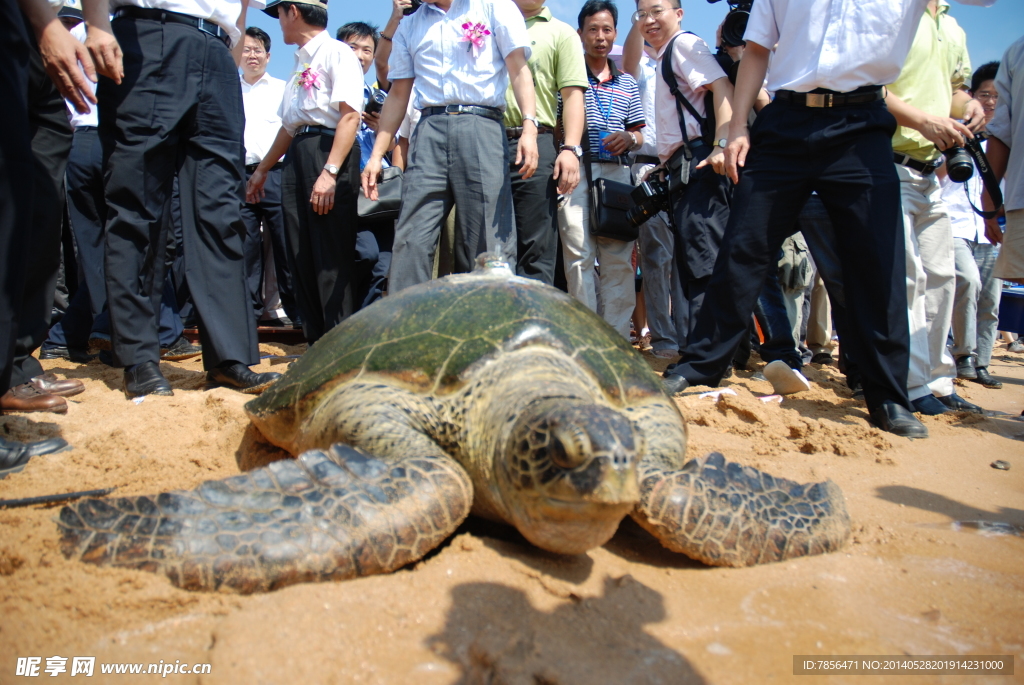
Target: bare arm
[[400, 154], [322, 197], [753, 68], [633, 51], [998, 154], [380, 57], [522, 87], [236, 51], [567, 166], [391, 116], [254, 188], [100, 41], [61, 53], [942, 131], [723, 96]]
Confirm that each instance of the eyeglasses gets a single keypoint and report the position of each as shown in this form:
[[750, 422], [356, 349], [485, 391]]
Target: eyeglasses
[[986, 95], [655, 13], [256, 52]]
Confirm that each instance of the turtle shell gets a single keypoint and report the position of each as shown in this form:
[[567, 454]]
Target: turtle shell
[[427, 338]]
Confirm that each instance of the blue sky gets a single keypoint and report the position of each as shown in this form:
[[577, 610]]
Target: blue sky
[[989, 30]]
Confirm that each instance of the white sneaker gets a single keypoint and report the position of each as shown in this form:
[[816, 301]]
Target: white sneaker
[[785, 380]]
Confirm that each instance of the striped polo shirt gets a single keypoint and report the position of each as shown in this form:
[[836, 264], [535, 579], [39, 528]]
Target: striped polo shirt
[[612, 105]]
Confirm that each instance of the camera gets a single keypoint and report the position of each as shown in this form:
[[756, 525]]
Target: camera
[[650, 197], [960, 161], [415, 6], [376, 101], [735, 22]]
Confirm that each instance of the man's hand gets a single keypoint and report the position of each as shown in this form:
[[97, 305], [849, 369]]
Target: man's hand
[[106, 53], [567, 172], [944, 132], [716, 160], [992, 232], [372, 120], [322, 197], [254, 188], [736, 152], [974, 116], [617, 143], [369, 177], [398, 8], [61, 53], [526, 152]]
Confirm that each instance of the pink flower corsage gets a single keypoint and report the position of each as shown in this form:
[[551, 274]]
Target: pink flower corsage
[[308, 79], [474, 34]]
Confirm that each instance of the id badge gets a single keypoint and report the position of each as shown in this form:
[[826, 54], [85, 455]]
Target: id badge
[[602, 151]]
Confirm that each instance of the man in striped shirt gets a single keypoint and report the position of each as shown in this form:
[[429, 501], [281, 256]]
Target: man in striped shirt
[[614, 116]]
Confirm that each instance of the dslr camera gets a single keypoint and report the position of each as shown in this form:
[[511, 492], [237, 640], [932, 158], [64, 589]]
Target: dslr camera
[[960, 161], [649, 198], [735, 22], [376, 101]]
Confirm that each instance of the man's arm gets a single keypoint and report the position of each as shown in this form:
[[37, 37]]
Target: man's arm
[[633, 51], [749, 80], [254, 188], [998, 154], [970, 110], [567, 166], [236, 51], [391, 116], [723, 96], [380, 57], [100, 41], [61, 53], [322, 197], [522, 87], [942, 131]]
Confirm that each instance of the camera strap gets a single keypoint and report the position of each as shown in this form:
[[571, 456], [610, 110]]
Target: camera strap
[[988, 178], [668, 73]]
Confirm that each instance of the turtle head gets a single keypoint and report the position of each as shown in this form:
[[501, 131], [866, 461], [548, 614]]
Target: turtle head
[[568, 474]]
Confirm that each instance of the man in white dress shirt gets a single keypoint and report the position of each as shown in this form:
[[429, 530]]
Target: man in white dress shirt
[[178, 109], [320, 114], [827, 131], [455, 58], [261, 97]]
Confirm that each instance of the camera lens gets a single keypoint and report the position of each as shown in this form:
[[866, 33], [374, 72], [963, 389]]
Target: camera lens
[[959, 164], [734, 27]]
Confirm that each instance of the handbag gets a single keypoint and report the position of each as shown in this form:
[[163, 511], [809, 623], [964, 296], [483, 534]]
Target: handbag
[[610, 202], [389, 198]]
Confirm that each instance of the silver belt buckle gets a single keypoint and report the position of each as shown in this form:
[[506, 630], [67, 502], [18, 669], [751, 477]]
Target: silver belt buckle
[[819, 100]]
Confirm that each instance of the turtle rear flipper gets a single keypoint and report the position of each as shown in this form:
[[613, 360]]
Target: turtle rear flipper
[[726, 514], [327, 515]]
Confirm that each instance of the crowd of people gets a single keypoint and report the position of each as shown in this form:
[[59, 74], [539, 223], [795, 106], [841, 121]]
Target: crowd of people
[[796, 179]]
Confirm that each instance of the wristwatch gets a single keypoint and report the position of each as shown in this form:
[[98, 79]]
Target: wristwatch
[[575, 149], [722, 142], [533, 119], [331, 169]]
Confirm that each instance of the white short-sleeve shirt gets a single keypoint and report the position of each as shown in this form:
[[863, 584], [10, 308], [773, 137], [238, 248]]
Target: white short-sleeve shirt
[[695, 68], [839, 45], [430, 47], [261, 102], [224, 13], [339, 79]]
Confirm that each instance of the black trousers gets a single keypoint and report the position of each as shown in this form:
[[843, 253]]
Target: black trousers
[[699, 218], [50, 135], [268, 213], [15, 184], [374, 243], [178, 109], [845, 155], [322, 245], [535, 205]]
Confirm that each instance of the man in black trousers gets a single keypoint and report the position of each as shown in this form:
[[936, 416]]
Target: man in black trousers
[[828, 131], [177, 109]]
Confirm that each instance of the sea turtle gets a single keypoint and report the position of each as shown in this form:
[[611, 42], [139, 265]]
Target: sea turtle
[[479, 392]]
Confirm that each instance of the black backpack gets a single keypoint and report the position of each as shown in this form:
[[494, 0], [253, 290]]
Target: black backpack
[[708, 125]]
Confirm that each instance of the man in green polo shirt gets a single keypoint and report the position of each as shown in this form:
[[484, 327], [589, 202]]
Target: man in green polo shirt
[[926, 100], [557, 64]]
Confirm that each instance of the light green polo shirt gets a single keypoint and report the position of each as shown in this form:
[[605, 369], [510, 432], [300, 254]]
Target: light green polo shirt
[[556, 62], [936, 67]]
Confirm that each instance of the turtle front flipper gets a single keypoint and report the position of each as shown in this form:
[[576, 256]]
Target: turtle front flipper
[[327, 515], [726, 514]]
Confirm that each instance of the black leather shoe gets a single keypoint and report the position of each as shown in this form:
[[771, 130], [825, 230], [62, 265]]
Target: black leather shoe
[[892, 418], [986, 379], [929, 406], [965, 368], [73, 354], [957, 403], [673, 383], [238, 376], [145, 379], [15, 455]]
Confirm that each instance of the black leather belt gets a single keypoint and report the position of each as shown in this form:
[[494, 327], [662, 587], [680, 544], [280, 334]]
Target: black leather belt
[[646, 159], [516, 132], [249, 168], [926, 168], [163, 16], [479, 110], [323, 130], [827, 98]]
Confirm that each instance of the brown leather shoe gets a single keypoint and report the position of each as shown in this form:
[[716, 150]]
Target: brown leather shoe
[[26, 397], [50, 384]]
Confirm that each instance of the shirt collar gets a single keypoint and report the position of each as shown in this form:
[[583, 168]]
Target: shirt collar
[[310, 48], [611, 66], [544, 15], [262, 79]]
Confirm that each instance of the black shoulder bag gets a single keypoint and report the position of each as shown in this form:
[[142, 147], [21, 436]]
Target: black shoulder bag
[[610, 202]]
